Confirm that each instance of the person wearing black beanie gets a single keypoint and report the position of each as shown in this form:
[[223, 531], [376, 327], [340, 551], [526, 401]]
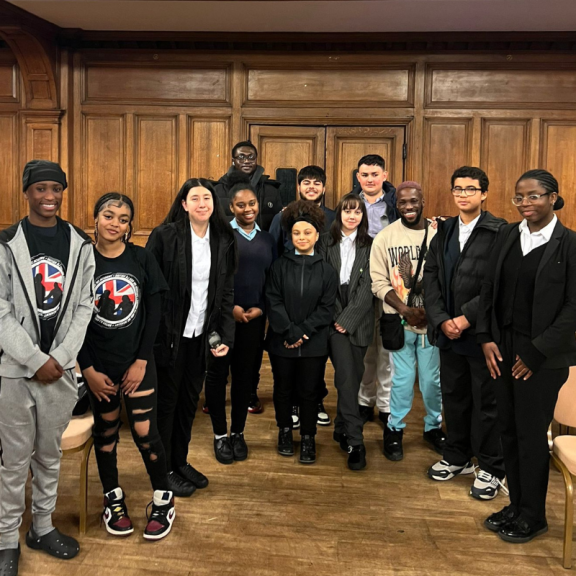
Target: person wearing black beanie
[[526, 323], [46, 300]]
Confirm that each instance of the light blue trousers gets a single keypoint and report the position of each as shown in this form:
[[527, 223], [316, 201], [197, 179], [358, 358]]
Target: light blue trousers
[[417, 353]]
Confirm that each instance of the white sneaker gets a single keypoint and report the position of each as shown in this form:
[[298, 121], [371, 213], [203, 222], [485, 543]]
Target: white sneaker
[[442, 471], [295, 417], [162, 517], [323, 416], [486, 486]]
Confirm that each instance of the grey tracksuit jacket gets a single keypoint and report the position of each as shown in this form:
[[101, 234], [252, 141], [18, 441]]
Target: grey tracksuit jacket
[[20, 354]]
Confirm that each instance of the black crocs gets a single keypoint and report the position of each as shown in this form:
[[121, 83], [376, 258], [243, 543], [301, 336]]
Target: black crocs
[[54, 543], [9, 561]]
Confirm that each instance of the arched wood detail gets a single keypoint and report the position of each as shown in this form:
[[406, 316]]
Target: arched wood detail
[[36, 67]]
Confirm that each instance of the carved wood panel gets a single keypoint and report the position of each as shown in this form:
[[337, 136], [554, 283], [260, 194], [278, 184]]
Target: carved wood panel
[[209, 147], [447, 146], [504, 157], [8, 169], [156, 170], [558, 156]]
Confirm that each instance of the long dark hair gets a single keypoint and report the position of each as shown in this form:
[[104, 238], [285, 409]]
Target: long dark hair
[[351, 201], [547, 181], [118, 199], [218, 222]]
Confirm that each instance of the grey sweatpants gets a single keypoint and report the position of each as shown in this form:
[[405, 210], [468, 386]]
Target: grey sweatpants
[[33, 417]]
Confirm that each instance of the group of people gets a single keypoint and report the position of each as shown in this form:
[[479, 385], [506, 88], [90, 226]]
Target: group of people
[[481, 313]]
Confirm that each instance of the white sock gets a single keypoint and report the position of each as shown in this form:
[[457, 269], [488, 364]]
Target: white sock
[[162, 497], [218, 436]]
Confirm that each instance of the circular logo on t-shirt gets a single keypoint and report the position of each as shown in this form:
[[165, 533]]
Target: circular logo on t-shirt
[[49, 277], [116, 300]]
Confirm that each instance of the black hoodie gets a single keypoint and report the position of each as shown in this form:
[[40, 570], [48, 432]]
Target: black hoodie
[[267, 192], [300, 293]]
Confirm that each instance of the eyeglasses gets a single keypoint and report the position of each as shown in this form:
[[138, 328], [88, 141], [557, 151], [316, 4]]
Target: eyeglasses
[[468, 191], [244, 158], [519, 200]]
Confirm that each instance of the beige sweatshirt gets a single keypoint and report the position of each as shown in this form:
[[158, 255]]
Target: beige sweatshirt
[[393, 263]]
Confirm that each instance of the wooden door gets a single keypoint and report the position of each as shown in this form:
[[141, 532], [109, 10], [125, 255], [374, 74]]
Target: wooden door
[[346, 145]]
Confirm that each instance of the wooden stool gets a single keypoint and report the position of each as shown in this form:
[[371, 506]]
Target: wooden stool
[[78, 438]]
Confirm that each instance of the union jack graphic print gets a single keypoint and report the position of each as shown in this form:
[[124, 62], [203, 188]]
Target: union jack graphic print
[[116, 300]]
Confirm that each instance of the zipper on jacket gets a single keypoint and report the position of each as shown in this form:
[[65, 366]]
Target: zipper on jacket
[[32, 309]]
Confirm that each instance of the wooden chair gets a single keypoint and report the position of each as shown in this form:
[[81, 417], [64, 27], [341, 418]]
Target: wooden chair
[[564, 457], [78, 438]]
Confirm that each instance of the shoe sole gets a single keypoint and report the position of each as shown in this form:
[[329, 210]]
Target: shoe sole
[[153, 537], [307, 461], [464, 472], [481, 497], [295, 426], [117, 532], [359, 466], [287, 454], [241, 459], [491, 527], [523, 540], [255, 411], [394, 457], [324, 423]]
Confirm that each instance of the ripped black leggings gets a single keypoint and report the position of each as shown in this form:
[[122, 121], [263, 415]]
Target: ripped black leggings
[[141, 409]]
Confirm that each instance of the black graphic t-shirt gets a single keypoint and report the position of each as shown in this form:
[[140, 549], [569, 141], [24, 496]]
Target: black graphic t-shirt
[[49, 252], [121, 285]]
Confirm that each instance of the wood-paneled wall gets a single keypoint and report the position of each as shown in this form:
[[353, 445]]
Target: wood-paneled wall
[[142, 122]]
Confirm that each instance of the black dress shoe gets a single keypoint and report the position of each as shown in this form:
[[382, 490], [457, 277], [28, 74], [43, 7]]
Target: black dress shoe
[[436, 438], [190, 473], [356, 457], [520, 531], [393, 444], [308, 450], [223, 450], [366, 413], [498, 520], [239, 448], [285, 442], [9, 559], [342, 439], [179, 486]]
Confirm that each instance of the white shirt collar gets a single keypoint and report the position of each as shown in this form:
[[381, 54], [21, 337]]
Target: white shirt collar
[[351, 237], [470, 224], [196, 238], [546, 232]]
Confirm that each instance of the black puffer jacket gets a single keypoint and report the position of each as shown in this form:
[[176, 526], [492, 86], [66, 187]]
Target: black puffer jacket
[[267, 192], [300, 293], [171, 244], [469, 273]]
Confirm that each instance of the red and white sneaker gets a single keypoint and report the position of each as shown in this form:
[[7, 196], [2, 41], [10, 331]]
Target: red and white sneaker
[[115, 515], [162, 516]]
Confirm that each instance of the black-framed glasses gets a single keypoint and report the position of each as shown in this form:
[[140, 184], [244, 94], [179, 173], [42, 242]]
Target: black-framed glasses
[[245, 158], [519, 200], [468, 191]]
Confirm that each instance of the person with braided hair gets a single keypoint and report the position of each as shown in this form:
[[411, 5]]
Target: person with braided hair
[[117, 361], [300, 293], [526, 323]]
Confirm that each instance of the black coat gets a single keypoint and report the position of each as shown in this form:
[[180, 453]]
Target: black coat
[[357, 318], [469, 273], [267, 192], [300, 293], [171, 244], [554, 308]]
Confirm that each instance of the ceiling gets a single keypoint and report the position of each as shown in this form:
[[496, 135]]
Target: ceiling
[[308, 16]]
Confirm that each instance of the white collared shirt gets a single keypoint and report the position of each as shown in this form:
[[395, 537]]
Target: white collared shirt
[[347, 256], [529, 241], [465, 230], [200, 279]]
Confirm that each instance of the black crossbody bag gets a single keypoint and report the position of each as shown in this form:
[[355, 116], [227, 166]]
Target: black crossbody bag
[[391, 327]]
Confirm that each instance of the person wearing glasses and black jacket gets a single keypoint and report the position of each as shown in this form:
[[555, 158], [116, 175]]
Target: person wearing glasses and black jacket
[[300, 294], [526, 324], [196, 250], [245, 165], [455, 269]]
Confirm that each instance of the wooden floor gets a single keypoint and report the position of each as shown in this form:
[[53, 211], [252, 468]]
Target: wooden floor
[[271, 515]]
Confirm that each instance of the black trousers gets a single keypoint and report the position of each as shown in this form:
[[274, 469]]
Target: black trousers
[[141, 409], [303, 376], [348, 361], [525, 410], [244, 362], [179, 388], [469, 400]]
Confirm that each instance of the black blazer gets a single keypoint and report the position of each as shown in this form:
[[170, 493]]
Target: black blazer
[[554, 308], [171, 244], [358, 317]]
